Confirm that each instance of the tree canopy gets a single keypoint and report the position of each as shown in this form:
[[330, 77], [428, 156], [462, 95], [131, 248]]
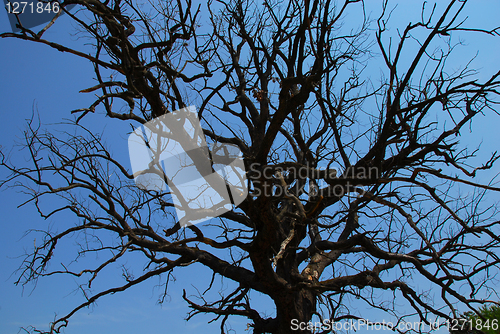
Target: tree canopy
[[361, 189], [486, 322]]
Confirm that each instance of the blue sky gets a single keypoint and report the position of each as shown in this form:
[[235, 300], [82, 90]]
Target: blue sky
[[35, 77]]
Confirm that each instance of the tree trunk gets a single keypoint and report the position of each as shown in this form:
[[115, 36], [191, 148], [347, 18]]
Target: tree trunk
[[294, 310]]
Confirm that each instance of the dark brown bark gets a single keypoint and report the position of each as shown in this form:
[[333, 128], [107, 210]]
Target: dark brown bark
[[294, 307]]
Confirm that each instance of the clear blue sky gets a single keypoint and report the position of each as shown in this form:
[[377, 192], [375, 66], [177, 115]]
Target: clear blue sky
[[37, 77]]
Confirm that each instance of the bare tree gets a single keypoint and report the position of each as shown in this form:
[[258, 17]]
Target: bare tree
[[354, 179]]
